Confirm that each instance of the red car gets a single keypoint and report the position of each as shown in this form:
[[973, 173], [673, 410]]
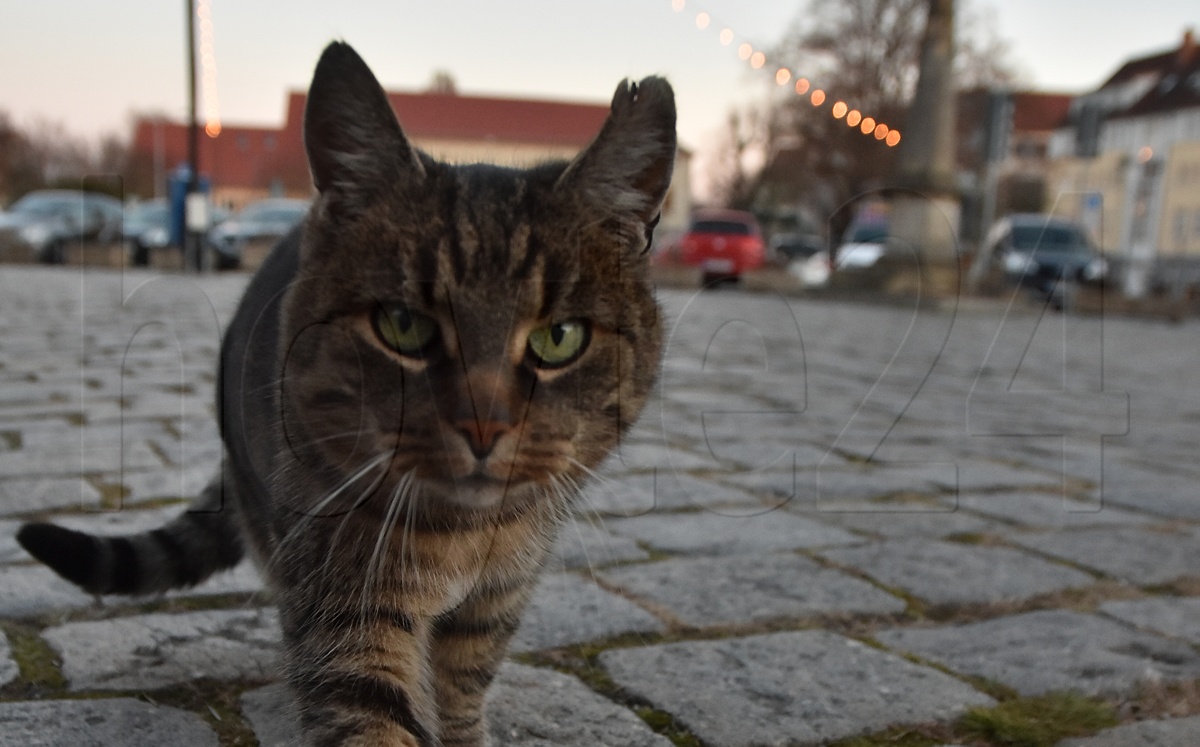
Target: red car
[[722, 243]]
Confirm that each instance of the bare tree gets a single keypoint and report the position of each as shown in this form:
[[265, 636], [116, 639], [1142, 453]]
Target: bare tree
[[46, 154], [863, 53]]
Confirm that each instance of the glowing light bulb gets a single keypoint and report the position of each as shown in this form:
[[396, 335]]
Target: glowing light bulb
[[881, 131], [802, 86], [839, 109], [893, 137], [726, 36], [745, 50], [854, 117], [868, 125], [677, 5], [702, 20], [757, 60], [782, 76], [818, 97]]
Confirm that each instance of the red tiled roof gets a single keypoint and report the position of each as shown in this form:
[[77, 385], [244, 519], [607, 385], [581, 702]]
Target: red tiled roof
[[261, 156], [1177, 89], [1160, 63], [1150, 65], [457, 117]]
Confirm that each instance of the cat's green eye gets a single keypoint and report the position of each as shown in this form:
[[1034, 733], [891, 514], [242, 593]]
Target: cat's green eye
[[558, 344], [408, 332]]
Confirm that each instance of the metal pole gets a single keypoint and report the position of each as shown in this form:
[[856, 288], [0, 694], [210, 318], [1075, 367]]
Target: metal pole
[[191, 240]]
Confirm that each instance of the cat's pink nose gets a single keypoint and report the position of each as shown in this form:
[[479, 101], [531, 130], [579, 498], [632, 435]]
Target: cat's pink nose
[[482, 437]]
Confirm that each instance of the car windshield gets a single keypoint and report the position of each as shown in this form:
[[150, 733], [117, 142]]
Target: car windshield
[[273, 213], [721, 226], [869, 233], [45, 206], [1048, 239], [153, 212]]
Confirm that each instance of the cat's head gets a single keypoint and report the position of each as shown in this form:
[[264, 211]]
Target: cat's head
[[491, 330]]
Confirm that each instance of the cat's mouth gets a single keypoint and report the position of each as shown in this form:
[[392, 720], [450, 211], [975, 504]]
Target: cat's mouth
[[479, 491]]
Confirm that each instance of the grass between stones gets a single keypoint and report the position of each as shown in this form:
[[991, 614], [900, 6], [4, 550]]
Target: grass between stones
[[214, 701], [37, 662], [1040, 721], [112, 496]]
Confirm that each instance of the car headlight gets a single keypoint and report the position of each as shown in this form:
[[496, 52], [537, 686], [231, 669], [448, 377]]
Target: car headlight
[[156, 237], [1017, 263], [36, 234], [1095, 269]]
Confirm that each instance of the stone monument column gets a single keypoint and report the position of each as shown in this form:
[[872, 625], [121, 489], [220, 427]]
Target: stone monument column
[[925, 206]]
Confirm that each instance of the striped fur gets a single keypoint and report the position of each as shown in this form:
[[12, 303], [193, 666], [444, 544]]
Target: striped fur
[[403, 496]]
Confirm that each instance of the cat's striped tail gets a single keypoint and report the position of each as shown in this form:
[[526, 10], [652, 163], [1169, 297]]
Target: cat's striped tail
[[182, 553]]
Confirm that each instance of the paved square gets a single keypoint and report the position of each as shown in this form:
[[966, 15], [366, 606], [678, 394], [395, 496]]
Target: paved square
[[106, 401]]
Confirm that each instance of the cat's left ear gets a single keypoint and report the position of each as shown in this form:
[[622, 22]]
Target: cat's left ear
[[626, 170], [353, 140]]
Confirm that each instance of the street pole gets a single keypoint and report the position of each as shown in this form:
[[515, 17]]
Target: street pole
[[925, 209], [191, 238]]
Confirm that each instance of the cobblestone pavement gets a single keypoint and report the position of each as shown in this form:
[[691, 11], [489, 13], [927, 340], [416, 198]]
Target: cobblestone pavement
[[833, 519]]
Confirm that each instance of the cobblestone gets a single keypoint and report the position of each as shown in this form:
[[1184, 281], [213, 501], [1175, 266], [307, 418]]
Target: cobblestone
[[751, 588], [566, 609], [1178, 732], [786, 687], [113, 722], [948, 573], [8, 667], [1039, 652], [933, 454], [1141, 556]]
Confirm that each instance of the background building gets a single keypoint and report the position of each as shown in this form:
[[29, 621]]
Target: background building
[[1127, 162], [249, 163]]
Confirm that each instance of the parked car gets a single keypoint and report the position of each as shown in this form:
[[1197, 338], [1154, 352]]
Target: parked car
[[722, 243], [804, 256], [148, 228], [42, 223], [1045, 254], [262, 220], [865, 241]]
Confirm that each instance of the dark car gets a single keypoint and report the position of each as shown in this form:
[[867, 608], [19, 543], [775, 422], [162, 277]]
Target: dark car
[[41, 224], [722, 243], [1048, 255], [805, 256], [147, 228], [866, 240], [262, 220]]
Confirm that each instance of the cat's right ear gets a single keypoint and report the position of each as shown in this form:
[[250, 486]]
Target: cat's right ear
[[625, 172], [353, 140]]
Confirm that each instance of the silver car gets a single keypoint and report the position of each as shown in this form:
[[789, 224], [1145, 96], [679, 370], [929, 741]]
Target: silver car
[[41, 224]]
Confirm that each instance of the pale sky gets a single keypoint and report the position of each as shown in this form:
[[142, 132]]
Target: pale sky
[[89, 65]]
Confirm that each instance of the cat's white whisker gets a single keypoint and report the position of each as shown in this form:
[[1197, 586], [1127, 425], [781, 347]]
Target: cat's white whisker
[[297, 530]]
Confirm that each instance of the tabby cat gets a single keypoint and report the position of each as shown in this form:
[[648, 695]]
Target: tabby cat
[[413, 389]]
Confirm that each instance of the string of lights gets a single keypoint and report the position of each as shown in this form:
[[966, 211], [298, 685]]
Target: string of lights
[[757, 59], [208, 68]]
